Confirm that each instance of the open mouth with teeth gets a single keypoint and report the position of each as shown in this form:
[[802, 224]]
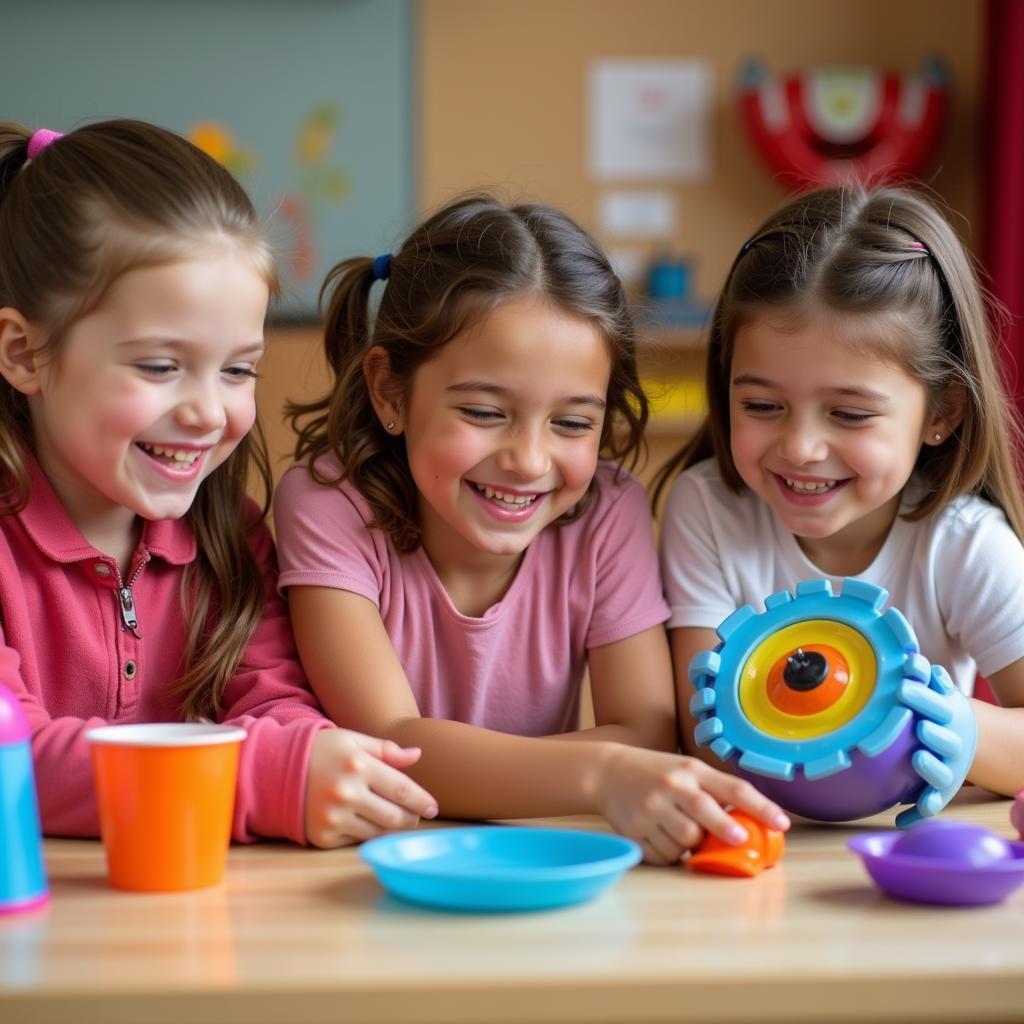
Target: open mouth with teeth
[[173, 458], [810, 487], [505, 499]]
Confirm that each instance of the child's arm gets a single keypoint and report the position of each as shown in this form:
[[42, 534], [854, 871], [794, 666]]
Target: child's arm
[[630, 685], [999, 763], [299, 777], [663, 800]]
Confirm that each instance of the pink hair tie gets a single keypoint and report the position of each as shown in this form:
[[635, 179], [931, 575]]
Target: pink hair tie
[[41, 138]]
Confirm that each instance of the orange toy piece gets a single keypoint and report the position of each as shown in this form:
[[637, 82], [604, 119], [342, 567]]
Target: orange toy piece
[[763, 849]]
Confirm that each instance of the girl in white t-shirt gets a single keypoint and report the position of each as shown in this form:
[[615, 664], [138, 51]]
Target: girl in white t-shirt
[[858, 427], [456, 554]]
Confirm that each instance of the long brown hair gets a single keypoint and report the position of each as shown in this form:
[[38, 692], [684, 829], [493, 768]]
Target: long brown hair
[[462, 262], [102, 200], [868, 252]]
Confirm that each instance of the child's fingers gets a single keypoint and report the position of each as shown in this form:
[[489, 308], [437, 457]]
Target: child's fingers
[[385, 750], [711, 816], [682, 830], [347, 827], [659, 848], [397, 787], [382, 814], [734, 792], [399, 757]]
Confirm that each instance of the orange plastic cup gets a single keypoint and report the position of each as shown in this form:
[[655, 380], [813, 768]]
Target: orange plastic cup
[[166, 795]]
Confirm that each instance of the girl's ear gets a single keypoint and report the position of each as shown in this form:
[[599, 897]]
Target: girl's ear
[[384, 391], [20, 348], [947, 414]]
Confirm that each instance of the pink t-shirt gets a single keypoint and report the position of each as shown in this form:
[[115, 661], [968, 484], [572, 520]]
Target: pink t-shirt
[[518, 667]]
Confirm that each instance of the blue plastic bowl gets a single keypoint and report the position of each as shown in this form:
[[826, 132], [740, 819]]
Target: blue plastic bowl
[[499, 868]]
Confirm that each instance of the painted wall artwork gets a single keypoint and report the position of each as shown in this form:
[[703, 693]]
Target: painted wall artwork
[[308, 103]]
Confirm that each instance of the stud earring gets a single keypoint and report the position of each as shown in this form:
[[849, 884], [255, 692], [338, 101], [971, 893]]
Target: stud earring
[[936, 438], [389, 426]]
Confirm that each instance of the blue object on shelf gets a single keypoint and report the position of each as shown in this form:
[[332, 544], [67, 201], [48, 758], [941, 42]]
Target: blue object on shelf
[[499, 868], [22, 877], [668, 279]]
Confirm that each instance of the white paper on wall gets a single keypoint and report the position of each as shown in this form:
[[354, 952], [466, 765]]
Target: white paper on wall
[[649, 120], [637, 214]]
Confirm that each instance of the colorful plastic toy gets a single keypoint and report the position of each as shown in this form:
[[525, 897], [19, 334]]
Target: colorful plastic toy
[[946, 862], [827, 705], [22, 878], [763, 849], [831, 124]]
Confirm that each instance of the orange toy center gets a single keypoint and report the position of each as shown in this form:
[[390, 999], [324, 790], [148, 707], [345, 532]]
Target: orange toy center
[[807, 680]]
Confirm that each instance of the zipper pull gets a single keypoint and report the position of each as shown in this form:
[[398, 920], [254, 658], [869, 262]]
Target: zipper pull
[[128, 616]]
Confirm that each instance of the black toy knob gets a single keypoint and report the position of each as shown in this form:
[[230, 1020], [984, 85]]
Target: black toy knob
[[805, 670]]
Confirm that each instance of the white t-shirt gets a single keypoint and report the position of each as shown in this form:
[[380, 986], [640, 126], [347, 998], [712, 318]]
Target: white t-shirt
[[957, 576]]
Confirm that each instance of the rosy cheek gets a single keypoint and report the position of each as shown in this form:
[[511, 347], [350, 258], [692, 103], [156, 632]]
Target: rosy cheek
[[580, 470]]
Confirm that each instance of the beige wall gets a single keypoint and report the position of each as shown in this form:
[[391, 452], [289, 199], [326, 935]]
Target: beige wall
[[501, 106]]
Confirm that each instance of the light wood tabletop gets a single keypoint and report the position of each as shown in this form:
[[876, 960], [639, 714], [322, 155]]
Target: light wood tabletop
[[295, 935]]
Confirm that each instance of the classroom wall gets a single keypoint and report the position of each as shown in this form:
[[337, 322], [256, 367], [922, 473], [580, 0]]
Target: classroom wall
[[501, 105], [502, 102]]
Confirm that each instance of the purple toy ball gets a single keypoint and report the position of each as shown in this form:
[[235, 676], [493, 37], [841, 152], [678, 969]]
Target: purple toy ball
[[1017, 813], [867, 786], [950, 863]]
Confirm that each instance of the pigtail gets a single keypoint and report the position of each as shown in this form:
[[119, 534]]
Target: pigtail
[[344, 423], [346, 339]]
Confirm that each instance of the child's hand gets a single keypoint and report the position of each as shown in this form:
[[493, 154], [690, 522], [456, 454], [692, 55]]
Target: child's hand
[[355, 789], [667, 802], [948, 734]]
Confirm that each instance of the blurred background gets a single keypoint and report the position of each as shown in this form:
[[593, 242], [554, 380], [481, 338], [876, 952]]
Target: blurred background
[[668, 128]]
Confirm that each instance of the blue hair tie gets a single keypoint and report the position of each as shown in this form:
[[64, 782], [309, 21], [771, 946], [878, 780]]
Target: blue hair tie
[[382, 267]]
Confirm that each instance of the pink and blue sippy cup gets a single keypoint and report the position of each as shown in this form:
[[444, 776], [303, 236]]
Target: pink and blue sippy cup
[[22, 877]]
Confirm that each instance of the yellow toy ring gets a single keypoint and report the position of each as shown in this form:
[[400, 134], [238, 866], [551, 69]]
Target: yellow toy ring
[[753, 691]]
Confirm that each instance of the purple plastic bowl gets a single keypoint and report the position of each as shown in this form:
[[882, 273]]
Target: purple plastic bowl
[[951, 863]]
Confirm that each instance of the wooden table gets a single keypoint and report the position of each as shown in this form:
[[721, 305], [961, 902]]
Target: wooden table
[[299, 935]]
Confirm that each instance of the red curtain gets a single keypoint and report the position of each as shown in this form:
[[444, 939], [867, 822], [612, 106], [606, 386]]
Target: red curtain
[[1002, 186], [1002, 180]]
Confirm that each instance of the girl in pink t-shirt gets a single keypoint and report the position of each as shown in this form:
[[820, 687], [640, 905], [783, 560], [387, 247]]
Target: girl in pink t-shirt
[[457, 554], [136, 580]]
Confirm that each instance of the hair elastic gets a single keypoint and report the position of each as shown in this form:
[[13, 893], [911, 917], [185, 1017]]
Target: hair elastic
[[382, 267], [41, 138]]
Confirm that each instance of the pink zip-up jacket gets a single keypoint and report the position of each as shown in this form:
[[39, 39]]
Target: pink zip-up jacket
[[69, 655]]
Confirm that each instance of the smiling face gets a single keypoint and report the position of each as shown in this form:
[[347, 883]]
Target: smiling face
[[150, 392], [502, 429], [827, 434]]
